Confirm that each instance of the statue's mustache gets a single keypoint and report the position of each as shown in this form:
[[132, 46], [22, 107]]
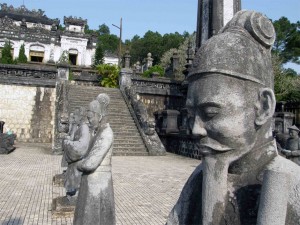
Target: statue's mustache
[[208, 147]]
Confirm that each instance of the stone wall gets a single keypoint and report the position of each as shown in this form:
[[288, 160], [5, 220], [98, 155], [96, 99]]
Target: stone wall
[[28, 112], [158, 94]]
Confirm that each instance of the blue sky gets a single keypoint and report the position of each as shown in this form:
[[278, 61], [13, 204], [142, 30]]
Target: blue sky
[[164, 16]]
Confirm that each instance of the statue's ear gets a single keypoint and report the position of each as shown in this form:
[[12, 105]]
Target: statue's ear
[[265, 106]]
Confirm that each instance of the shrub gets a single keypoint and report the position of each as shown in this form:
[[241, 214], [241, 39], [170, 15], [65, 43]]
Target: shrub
[[109, 74], [153, 69]]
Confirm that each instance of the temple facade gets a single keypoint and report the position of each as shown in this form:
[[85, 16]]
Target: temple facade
[[43, 40]]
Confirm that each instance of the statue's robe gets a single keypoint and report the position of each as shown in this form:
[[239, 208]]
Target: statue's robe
[[95, 203], [293, 144], [72, 129], [244, 185], [75, 150]]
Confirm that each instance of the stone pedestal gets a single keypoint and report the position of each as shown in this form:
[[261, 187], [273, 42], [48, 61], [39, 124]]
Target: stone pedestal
[[64, 206], [170, 121], [59, 180], [63, 71], [125, 78], [283, 120]]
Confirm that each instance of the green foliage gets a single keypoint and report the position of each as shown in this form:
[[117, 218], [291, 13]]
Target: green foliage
[[109, 74], [154, 43], [7, 57], [287, 44], [109, 42], [103, 29], [60, 27], [165, 60], [286, 81], [87, 30], [64, 58], [22, 57], [71, 75], [99, 55], [154, 69]]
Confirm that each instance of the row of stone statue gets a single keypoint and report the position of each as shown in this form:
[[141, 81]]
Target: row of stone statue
[[242, 180], [87, 154], [6, 140]]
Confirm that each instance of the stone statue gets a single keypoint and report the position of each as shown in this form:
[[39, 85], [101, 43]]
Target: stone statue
[[292, 147], [75, 148], [72, 128], [6, 140], [242, 180], [95, 204]]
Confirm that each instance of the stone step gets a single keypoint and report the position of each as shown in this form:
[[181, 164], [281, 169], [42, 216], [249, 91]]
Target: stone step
[[127, 139], [129, 153]]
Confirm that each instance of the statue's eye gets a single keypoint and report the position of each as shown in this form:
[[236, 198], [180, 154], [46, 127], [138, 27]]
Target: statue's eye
[[210, 111]]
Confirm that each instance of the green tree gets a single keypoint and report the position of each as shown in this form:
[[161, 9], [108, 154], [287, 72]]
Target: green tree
[[181, 51], [64, 58], [99, 55], [109, 42], [22, 58], [109, 74], [153, 42], [7, 57], [286, 81], [287, 43], [103, 29]]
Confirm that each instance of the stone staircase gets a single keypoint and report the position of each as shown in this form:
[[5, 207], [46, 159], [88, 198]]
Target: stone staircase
[[127, 139]]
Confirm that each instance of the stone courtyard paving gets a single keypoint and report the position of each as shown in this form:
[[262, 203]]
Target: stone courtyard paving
[[145, 187]]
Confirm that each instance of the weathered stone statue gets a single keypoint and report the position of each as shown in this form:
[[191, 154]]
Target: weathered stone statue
[[74, 123], [292, 148], [6, 140], [74, 150], [95, 204], [242, 180]]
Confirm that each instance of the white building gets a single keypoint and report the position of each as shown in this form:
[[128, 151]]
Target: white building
[[42, 39]]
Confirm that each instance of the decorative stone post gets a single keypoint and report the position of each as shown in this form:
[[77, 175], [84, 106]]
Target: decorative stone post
[[170, 121], [125, 78], [175, 61], [127, 59], [63, 71], [149, 61]]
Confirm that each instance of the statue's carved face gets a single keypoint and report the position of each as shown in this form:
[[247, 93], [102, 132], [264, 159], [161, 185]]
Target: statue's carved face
[[93, 119], [293, 133], [222, 115]]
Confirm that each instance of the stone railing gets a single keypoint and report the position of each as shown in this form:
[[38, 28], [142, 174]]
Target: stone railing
[[156, 86], [145, 124], [85, 77], [28, 75]]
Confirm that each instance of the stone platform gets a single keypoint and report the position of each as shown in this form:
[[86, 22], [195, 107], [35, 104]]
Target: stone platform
[[146, 187]]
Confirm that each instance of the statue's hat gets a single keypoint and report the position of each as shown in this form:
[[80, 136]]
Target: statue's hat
[[294, 128], [242, 49]]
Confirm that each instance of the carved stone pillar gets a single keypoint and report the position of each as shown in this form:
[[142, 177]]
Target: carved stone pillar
[[125, 78], [170, 121], [63, 71]]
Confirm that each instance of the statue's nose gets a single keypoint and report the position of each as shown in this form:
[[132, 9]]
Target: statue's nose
[[198, 127]]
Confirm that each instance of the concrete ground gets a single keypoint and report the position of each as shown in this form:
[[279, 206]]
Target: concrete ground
[[145, 187]]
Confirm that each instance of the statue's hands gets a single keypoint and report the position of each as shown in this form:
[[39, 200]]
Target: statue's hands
[[67, 137], [79, 166], [286, 152], [84, 167]]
